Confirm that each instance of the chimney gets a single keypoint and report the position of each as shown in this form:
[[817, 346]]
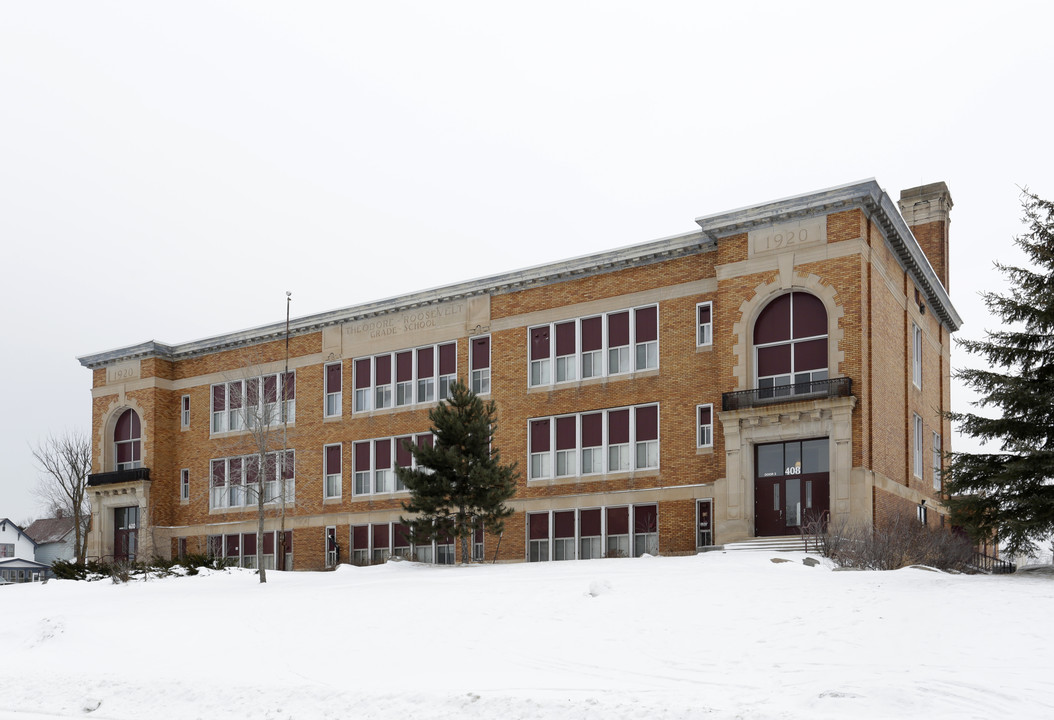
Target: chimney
[[926, 209]]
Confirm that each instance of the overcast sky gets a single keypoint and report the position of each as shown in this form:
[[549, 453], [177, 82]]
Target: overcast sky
[[168, 171]]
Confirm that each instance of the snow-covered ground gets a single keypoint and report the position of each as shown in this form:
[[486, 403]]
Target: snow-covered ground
[[719, 635]]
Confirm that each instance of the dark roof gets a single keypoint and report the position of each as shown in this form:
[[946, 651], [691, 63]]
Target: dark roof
[[49, 530]]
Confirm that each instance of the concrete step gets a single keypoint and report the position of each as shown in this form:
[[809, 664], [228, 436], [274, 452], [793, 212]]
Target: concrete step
[[783, 543]]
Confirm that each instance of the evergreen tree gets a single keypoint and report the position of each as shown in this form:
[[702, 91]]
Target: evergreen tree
[[459, 483], [1010, 494]]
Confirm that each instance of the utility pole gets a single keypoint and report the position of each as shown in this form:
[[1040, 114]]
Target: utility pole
[[281, 545]]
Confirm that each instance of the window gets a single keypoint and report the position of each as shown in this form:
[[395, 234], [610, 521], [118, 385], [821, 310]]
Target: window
[[360, 545], [181, 547], [917, 455], [790, 345], [376, 461], [381, 547], [405, 377], [564, 535], [184, 484], [937, 461], [704, 322], [332, 553], [333, 389], [241, 404], [571, 349], [126, 439], [235, 481], [184, 411], [480, 364], [571, 445], [7, 550], [705, 413], [538, 537], [332, 459], [617, 531], [920, 512], [240, 550], [645, 530], [591, 536], [704, 520], [916, 355]]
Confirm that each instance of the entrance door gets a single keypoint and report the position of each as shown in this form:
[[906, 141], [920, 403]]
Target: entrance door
[[125, 532], [791, 486]]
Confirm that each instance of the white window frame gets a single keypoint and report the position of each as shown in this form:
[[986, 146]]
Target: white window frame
[[329, 478], [184, 412], [616, 458], [184, 485], [606, 361], [707, 440], [369, 478], [916, 355], [704, 332], [330, 555], [234, 496], [937, 461], [415, 391], [917, 449], [223, 420], [479, 378], [333, 401]]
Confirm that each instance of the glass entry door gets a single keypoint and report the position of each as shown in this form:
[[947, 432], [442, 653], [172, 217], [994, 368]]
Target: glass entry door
[[791, 486], [125, 532]]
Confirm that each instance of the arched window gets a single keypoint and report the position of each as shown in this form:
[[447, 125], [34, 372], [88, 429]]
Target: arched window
[[128, 449], [790, 345]]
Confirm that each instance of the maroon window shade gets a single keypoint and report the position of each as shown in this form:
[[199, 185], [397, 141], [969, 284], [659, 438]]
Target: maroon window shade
[[382, 453], [810, 355], [810, 316], [252, 469], [219, 473], [538, 525], [290, 465], [704, 314], [477, 535], [566, 432], [235, 398], [564, 524], [647, 324], [705, 415], [219, 398], [288, 541], [380, 536], [362, 456], [539, 436], [774, 360], [249, 543], [425, 440], [400, 535], [362, 373], [215, 545], [618, 329], [565, 338], [268, 544], [618, 521], [186, 402], [540, 343], [589, 522], [592, 334], [252, 391], [448, 359], [231, 543], [645, 518], [384, 369], [333, 378], [332, 459], [289, 386], [271, 467], [647, 423], [404, 366], [618, 427], [403, 458], [360, 537], [270, 383], [593, 430], [425, 362], [124, 452], [773, 325], [480, 353], [236, 471]]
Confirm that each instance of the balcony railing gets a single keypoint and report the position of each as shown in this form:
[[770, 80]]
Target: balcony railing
[[817, 389], [119, 476]]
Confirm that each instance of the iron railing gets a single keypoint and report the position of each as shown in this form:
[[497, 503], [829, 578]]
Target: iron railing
[[119, 476], [831, 388], [995, 566]]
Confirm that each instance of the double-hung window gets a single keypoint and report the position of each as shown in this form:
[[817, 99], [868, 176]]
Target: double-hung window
[[540, 443], [615, 343], [265, 401], [363, 383], [704, 324], [334, 396], [377, 460], [447, 369], [592, 437], [405, 377], [937, 460], [616, 440], [917, 455], [916, 355], [426, 382], [647, 436], [184, 484], [705, 413], [333, 471], [480, 364], [566, 446], [184, 411], [382, 367], [235, 481]]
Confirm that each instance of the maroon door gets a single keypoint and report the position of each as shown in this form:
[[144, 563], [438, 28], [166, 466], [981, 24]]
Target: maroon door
[[125, 533], [791, 486]]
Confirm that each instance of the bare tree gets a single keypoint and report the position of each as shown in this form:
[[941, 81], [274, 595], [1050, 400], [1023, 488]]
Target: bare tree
[[65, 461]]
